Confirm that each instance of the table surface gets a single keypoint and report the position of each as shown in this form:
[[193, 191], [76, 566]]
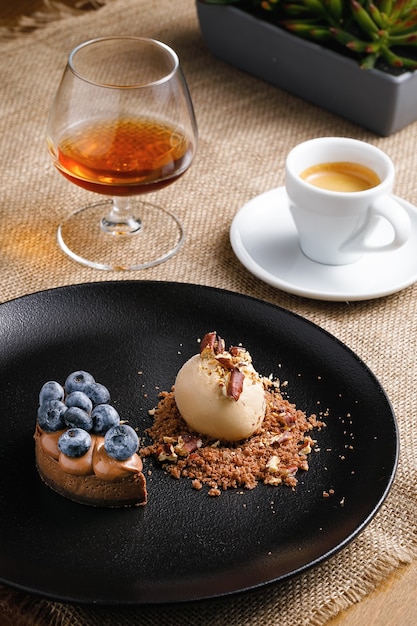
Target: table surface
[[390, 604], [393, 600]]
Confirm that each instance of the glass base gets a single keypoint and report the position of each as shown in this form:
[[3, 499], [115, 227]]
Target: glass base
[[85, 237]]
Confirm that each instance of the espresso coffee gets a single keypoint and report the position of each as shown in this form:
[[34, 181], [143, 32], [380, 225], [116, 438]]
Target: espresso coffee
[[341, 176]]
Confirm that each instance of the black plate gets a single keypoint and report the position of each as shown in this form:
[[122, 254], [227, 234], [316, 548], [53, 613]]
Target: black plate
[[183, 545]]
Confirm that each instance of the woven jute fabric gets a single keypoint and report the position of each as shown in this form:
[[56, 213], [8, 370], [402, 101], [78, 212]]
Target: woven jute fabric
[[246, 129]]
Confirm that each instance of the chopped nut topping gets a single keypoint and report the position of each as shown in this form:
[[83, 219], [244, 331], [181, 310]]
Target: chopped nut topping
[[273, 464], [187, 444], [306, 448], [167, 453], [169, 440], [226, 361], [212, 342], [235, 384]]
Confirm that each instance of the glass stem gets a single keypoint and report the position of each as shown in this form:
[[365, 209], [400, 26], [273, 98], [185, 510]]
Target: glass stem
[[120, 220]]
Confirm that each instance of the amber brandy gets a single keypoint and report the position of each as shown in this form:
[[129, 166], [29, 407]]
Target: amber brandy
[[123, 157]]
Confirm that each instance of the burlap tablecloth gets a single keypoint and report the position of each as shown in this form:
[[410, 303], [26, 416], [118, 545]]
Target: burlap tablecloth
[[246, 129]]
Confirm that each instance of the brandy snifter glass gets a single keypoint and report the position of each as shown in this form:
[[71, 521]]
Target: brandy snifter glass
[[122, 125]]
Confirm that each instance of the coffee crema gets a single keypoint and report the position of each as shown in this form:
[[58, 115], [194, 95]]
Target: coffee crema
[[341, 176]]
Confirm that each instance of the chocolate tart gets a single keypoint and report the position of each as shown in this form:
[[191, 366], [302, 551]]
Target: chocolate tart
[[89, 489]]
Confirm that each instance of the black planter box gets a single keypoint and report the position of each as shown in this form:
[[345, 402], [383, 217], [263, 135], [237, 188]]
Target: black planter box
[[379, 101]]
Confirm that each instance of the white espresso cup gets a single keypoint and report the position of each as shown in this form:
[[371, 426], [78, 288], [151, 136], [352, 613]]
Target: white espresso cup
[[335, 221]]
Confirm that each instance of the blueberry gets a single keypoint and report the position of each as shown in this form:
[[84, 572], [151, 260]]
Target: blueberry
[[120, 442], [75, 442], [104, 417], [77, 381], [51, 391], [51, 416], [77, 418], [98, 393], [79, 399]]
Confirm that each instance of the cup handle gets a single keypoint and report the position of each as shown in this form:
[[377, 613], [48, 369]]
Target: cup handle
[[391, 210]]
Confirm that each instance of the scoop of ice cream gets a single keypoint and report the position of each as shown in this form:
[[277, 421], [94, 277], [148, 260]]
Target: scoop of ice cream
[[219, 393]]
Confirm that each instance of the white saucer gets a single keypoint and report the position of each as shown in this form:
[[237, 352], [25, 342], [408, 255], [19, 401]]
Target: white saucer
[[264, 238]]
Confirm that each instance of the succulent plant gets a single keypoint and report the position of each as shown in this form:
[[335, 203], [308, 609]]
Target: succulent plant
[[372, 31]]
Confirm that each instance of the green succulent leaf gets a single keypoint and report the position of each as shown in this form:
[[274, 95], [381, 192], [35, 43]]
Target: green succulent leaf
[[405, 40], [380, 18], [368, 62], [386, 6], [363, 18], [335, 9]]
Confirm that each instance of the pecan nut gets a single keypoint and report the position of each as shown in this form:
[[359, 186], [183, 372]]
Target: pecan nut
[[213, 342], [235, 384]]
